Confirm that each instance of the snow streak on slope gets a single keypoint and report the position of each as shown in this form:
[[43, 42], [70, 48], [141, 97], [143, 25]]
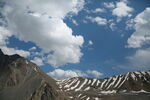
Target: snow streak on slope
[[91, 89]]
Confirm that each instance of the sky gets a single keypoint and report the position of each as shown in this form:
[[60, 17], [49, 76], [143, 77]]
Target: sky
[[78, 38]]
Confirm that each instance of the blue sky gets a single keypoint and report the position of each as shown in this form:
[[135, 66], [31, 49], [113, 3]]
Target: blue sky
[[89, 38]]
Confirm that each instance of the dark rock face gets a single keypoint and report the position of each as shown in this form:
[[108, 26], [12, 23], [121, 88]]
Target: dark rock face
[[1, 53], [22, 80], [130, 86]]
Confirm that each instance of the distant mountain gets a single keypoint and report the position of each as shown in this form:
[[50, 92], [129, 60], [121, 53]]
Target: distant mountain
[[21, 79], [130, 86]]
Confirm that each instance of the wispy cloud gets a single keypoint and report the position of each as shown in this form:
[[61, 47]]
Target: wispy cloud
[[98, 20]]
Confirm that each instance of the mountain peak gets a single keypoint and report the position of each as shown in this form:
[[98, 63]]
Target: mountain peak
[[19, 76]]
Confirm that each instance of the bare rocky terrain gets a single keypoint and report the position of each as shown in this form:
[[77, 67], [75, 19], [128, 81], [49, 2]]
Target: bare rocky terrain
[[21, 79]]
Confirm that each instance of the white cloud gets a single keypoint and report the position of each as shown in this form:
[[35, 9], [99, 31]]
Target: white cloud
[[90, 42], [32, 48], [38, 61], [98, 20], [54, 8], [99, 10], [64, 55], [60, 74], [122, 10], [75, 22], [94, 73], [130, 24], [109, 4], [140, 39], [11, 51], [112, 25], [141, 59], [4, 35], [47, 30], [141, 36]]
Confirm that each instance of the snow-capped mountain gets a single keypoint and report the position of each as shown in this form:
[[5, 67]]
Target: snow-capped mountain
[[130, 86]]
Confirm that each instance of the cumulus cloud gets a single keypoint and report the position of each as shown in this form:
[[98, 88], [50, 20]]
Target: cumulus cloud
[[122, 10], [141, 59], [94, 73], [54, 8], [60, 74], [38, 61], [11, 51], [65, 55], [41, 22], [140, 39], [4, 35], [98, 20], [141, 36]]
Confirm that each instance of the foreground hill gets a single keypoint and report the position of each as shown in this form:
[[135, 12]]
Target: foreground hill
[[22, 80], [130, 86]]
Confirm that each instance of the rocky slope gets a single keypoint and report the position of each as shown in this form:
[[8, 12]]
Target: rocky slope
[[22, 80], [130, 86]]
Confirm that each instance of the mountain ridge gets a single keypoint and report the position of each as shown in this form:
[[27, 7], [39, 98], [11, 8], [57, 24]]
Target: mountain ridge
[[21, 79], [137, 82]]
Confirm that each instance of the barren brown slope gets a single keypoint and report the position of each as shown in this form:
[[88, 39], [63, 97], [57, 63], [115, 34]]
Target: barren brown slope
[[22, 80]]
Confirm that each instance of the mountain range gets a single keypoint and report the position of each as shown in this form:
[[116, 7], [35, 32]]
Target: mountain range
[[21, 79]]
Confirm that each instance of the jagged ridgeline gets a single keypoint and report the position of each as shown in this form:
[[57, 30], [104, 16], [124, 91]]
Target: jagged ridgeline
[[21, 79], [130, 86]]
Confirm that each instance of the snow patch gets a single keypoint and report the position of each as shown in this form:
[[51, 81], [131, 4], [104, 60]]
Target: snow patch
[[94, 80], [88, 98], [85, 81], [96, 98], [86, 88], [103, 83], [72, 88], [141, 91], [27, 62], [108, 92]]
